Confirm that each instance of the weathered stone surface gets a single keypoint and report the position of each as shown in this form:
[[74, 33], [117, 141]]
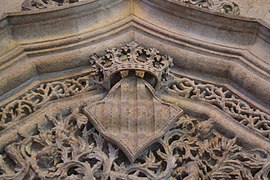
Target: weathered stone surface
[[132, 133], [141, 89]]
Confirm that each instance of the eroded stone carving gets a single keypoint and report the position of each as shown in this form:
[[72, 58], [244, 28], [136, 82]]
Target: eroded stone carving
[[228, 102], [42, 4], [222, 6], [33, 100], [68, 146]]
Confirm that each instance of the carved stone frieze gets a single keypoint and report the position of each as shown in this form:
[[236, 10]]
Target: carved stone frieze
[[222, 6], [227, 101], [42, 4], [68, 146]]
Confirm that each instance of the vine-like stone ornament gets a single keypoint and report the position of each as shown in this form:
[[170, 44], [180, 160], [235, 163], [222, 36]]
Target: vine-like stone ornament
[[42, 4], [224, 99], [43, 93], [67, 146], [222, 6]]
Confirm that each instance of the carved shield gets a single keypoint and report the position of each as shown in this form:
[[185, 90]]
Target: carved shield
[[132, 115]]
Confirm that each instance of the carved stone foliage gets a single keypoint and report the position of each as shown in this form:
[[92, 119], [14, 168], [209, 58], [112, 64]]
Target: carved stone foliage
[[67, 146], [42, 4], [224, 99], [34, 99], [222, 6], [131, 133]]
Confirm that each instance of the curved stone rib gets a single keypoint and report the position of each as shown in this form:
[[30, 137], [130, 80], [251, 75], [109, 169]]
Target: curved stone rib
[[50, 47]]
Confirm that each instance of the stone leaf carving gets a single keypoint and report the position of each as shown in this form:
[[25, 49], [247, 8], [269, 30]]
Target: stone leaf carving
[[42, 4], [224, 99], [34, 99], [222, 6], [67, 146], [132, 115]]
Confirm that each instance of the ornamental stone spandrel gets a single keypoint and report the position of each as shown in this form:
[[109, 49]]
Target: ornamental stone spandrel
[[149, 124]]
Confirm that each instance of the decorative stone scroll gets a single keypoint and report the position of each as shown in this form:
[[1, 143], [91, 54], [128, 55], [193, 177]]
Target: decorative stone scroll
[[67, 146], [224, 99], [222, 6], [42, 4]]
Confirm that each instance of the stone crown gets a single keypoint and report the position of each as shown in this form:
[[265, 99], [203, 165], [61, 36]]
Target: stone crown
[[131, 57]]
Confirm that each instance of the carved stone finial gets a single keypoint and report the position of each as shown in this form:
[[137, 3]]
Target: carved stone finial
[[132, 58]]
